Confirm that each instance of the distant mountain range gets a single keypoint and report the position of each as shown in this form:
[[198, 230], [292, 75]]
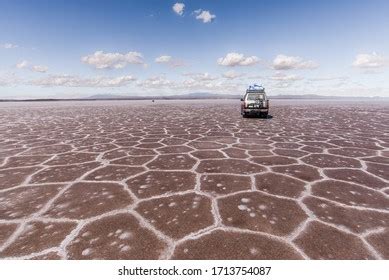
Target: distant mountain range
[[194, 95], [207, 95]]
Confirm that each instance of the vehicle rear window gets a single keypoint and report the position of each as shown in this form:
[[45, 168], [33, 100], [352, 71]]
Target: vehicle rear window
[[254, 96]]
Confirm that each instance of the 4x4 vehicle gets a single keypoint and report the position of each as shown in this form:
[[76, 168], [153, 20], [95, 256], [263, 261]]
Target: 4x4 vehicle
[[255, 102]]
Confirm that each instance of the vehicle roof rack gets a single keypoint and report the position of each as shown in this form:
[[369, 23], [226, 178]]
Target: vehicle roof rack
[[255, 88]]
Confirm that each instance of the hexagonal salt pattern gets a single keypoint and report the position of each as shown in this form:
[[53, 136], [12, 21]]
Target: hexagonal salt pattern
[[191, 180]]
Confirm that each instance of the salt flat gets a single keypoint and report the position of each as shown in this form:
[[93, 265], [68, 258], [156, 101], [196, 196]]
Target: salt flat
[[194, 180]]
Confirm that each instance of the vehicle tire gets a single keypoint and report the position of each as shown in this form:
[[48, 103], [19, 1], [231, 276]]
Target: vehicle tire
[[264, 115]]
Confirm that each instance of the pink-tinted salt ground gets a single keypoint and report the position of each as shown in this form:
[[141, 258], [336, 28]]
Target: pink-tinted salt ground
[[194, 180]]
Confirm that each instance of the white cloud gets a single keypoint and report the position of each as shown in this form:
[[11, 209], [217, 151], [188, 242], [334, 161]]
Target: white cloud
[[195, 82], [39, 68], [23, 64], [75, 81], [101, 60], [201, 76], [9, 46], [167, 59], [331, 78], [155, 82], [285, 77], [283, 80], [9, 79], [205, 16], [210, 86], [178, 8], [232, 75], [255, 77], [163, 59], [283, 62], [373, 60], [237, 59]]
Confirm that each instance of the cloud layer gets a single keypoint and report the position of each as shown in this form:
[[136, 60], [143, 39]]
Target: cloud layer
[[201, 76], [163, 59], [373, 60], [237, 59], [9, 79], [75, 81], [9, 46], [24, 64], [284, 62], [285, 77], [156, 82], [101, 60], [39, 68], [231, 75], [169, 60]]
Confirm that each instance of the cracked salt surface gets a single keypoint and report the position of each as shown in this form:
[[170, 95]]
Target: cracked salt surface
[[130, 180]]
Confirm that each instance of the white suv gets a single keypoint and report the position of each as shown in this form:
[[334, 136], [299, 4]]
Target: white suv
[[255, 102]]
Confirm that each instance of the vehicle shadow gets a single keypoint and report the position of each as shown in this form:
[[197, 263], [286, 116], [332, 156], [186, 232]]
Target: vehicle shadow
[[258, 117]]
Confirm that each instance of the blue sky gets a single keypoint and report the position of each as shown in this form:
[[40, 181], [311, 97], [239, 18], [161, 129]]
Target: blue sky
[[67, 49]]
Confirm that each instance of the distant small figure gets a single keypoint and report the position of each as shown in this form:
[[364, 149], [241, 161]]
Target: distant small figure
[[152, 100]]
